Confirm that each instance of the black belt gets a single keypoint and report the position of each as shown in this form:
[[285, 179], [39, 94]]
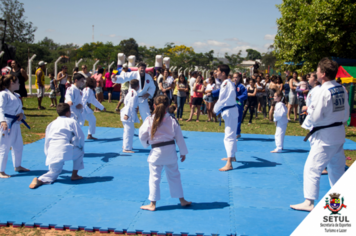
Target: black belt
[[321, 127], [163, 144]]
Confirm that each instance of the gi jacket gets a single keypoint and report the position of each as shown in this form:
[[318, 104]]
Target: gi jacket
[[74, 95], [62, 136], [227, 97], [89, 97], [10, 104], [131, 103]]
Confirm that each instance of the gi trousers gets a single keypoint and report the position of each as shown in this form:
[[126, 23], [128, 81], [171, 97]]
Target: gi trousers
[[55, 169], [90, 117], [230, 136], [320, 157], [239, 119], [129, 131], [144, 109], [173, 177], [279, 135], [13, 140]]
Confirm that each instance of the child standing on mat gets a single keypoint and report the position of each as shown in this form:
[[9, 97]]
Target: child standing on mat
[[53, 88], [128, 115], [73, 98], [227, 107], [11, 116], [89, 98], [161, 131], [281, 121], [64, 142]]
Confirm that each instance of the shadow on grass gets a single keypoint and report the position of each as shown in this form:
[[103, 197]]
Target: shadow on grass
[[196, 206]]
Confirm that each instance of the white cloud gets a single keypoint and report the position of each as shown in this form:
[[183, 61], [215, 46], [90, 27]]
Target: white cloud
[[112, 35], [270, 36], [50, 31], [217, 43], [199, 44]]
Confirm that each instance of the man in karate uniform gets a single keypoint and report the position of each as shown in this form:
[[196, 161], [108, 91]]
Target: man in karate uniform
[[64, 142], [146, 90], [226, 105], [74, 98], [327, 113], [128, 115]]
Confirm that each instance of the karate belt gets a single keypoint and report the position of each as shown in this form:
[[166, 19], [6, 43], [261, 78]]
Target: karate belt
[[224, 109], [14, 119], [321, 127], [163, 144]]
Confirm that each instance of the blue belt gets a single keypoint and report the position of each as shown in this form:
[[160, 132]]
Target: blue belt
[[15, 119], [224, 109]]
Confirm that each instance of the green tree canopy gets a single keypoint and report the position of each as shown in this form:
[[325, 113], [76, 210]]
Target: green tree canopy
[[253, 54], [313, 29], [17, 28]]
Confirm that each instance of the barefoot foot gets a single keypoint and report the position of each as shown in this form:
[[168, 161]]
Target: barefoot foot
[[21, 169], [325, 172], [76, 177], [4, 176], [128, 151], [307, 205], [91, 137], [227, 167], [150, 207], [184, 202], [225, 159], [35, 183]]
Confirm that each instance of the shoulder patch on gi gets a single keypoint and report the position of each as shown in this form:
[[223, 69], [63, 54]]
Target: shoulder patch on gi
[[225, 84], [148, 81], [238, 89]]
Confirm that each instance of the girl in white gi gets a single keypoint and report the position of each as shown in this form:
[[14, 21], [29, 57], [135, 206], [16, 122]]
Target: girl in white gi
[[227, 107], [160, 130], [64, 142], [73, 98], [128, 115], [328, 111], [88, 114], [10, 133], [281, 121], [146, 89]]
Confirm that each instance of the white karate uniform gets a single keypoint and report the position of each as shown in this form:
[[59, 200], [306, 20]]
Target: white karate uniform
[[313, 93], [330, 105], [165, 156], [74, 95], [149, 88], [280, 116], [10, 104], [64, 142], [131, 103], [88, 114], [227, 97]]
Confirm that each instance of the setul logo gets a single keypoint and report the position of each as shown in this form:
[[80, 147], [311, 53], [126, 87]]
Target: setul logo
[[335, 206]]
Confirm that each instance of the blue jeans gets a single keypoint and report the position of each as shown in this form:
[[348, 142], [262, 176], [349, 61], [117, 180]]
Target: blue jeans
[[181, 102], [241, 111], [62, 90]]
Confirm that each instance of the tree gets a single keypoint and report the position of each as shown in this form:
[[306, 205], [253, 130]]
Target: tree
[[234, 59], [269, 58], [17, 28], [130, 47], [253, 54], [313, 29]]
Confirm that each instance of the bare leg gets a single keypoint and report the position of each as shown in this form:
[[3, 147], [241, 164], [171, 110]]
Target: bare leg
[[288, 113], [109, 97], [198, 113], [228, 165], [226, 158], [307, 205], [191, 113], [184, 202], [295, 112], [150, 207], [75, 175]]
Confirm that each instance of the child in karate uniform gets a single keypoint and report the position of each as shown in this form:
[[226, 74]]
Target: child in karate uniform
[[128, 115], [281, 120], [227, 107], [160, 130], [89, 98], [11, 115], [64, 142], [73, 97]]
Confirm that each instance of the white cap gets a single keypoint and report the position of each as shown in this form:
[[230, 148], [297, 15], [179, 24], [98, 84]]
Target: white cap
[[42, 63]]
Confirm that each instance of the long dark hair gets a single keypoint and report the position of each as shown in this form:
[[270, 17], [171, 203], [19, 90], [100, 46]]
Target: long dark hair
[[5, 81], [184, 81]]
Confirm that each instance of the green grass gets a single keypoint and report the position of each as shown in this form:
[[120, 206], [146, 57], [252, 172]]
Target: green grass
[[38, 120]]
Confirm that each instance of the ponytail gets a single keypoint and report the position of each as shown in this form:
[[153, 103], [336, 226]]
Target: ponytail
[[5, 81], [161, 103]]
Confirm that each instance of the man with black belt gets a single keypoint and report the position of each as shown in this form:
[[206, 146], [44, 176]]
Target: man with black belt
[[328, 111]]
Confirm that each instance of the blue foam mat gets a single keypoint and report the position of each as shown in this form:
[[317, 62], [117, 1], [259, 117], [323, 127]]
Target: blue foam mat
[[253, 199]]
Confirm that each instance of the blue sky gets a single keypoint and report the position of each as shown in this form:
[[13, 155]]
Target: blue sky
[[224, 25]]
